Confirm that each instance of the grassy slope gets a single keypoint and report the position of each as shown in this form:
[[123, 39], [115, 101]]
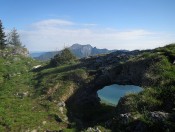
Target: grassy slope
[[159, 97], [19, 112]]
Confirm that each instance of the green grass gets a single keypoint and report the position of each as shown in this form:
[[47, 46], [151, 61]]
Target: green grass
[[17, 111], [58, 82]]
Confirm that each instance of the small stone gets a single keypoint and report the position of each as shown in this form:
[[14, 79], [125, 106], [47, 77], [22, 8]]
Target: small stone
[[61, 104], [65, 118], [34, 130], [44, 122], [61, 110], [98, 130]]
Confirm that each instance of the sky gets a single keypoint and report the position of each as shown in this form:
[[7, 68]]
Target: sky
[[47, 25]]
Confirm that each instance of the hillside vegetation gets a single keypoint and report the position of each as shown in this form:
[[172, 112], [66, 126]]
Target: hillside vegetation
[[64, 96], [20, 108]]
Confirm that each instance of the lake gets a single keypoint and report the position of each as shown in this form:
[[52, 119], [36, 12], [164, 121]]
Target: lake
[[111, 94]]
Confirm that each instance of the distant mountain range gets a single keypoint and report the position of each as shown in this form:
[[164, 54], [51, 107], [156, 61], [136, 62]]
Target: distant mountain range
[[36, 53], [79, 50]]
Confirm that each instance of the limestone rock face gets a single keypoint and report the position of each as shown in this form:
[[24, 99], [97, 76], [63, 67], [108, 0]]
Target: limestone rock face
[[83, 50]]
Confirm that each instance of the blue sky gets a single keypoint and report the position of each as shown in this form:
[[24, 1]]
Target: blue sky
[[114, 24]]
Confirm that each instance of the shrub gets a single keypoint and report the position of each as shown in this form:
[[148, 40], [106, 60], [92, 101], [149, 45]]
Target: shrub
[[65, 57]]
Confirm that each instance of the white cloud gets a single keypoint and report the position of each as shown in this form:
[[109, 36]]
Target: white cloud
[[52, 23], [54, 34]]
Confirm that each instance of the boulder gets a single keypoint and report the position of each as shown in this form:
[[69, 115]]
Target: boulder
[[37, 66], [61, 104], [22, 94], [158, 116], [125, 118]]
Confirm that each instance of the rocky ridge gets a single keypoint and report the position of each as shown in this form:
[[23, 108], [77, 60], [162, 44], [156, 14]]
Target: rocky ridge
[[136, 68]]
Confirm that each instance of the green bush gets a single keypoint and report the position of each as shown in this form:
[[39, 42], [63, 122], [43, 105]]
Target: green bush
[[65, 57]]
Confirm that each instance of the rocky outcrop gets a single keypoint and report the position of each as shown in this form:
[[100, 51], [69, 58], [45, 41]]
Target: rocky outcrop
[[117, 68], [133, 72], [106, 69], [109, 69], [20, 51], [158, 116], [11, 51], [90, 129], [132, 68], [133, 122]]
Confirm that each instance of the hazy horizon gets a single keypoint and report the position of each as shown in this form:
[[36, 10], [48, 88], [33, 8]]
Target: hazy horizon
[[39, 51]]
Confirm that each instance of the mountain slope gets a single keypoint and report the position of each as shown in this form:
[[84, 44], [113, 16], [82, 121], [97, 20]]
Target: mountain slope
[[36, 54], [65, 97]]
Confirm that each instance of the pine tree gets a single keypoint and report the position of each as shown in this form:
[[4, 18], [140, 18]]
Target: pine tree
[[2, 37], [14, 38]]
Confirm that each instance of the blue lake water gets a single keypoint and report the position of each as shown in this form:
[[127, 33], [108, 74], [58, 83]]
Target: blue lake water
[[111, 94]]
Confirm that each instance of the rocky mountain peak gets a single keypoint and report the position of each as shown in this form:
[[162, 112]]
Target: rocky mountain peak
[[78, 46]]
